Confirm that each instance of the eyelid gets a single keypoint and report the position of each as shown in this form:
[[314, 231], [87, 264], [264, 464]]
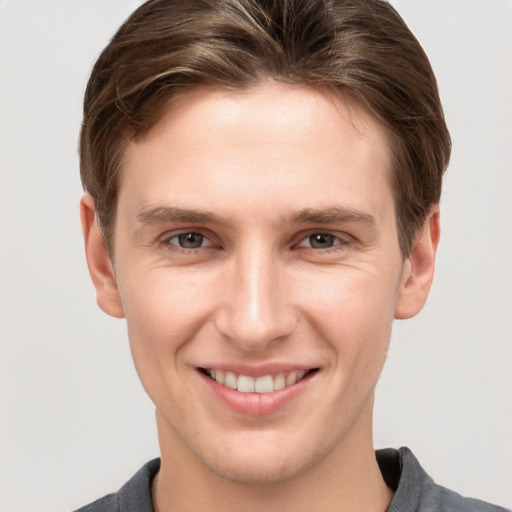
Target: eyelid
[[342, 238], [166, 238]]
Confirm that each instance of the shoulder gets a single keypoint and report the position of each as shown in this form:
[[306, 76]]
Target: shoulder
[[134, 496], [451, 501], [108, 503], [416, 491]]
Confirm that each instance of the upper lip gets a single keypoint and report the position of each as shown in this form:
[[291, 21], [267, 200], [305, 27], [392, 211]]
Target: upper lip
[[257, 370]]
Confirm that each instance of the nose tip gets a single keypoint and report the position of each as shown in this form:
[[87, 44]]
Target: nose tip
[[255, 331]]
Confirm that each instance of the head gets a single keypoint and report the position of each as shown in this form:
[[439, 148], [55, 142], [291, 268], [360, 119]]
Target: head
[[358, 49], [265, 176]]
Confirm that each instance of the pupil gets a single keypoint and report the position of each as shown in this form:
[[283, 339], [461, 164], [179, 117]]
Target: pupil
[[321, 240], [190, 240]]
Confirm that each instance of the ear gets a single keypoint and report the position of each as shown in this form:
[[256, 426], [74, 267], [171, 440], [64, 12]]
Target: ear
[[98, 260], [418, 271]]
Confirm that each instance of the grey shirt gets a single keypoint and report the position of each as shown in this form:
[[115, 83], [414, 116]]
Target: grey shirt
[[414, 490]]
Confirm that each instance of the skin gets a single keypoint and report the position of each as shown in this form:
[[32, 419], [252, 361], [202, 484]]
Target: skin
[[267, 168]]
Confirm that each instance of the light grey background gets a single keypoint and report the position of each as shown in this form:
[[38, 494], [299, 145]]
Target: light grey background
[[74, 421]]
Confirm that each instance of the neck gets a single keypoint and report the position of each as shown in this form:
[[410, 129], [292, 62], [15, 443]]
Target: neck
[[347, 479]]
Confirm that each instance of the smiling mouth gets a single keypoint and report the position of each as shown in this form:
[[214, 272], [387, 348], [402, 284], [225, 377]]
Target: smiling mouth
[[263, 384]]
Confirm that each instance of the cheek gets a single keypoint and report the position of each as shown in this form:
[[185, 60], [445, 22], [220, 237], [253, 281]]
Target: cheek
[[164, 310], [353, 311], [354, 291]]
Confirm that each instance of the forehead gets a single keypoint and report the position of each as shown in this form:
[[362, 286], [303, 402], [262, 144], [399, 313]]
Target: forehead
[[294, 108], [274, 142]]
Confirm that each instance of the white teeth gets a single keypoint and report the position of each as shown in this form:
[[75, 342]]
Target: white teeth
[[245, 384], [230, 380], [264, 384], [291, 378], [279, 382]]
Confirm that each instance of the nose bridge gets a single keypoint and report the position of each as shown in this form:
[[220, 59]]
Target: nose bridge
[[256, 274], [257, 310]]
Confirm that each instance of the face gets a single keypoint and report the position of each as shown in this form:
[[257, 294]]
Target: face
[[257, 264]]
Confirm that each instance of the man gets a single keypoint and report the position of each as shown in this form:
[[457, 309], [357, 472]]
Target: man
[[262, 182]]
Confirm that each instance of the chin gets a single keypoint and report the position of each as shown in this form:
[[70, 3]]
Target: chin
[[261, 463], [255, 472]]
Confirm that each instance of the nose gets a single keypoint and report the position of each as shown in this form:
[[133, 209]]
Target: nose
[[256, 311]]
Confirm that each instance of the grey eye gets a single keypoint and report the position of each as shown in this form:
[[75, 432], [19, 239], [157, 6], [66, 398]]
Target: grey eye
[[189, 240], [322, 240]]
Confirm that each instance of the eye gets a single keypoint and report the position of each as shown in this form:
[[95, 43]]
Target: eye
[[321, 241], [189, 240]]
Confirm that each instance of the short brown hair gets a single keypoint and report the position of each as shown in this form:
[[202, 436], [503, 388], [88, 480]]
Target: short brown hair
[[361, 49]]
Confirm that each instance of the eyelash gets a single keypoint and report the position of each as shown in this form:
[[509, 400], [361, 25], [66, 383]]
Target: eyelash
[[340, 242], [168, 241]]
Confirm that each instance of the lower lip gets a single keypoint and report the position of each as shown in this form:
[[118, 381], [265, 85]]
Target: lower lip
[[256, 404]]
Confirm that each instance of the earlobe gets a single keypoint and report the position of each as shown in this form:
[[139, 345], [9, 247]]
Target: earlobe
[[418, 271], [98, 260]]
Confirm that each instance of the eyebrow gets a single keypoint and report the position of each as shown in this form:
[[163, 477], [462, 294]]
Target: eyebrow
[[333, 214], [306, 216], [170, 214]]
